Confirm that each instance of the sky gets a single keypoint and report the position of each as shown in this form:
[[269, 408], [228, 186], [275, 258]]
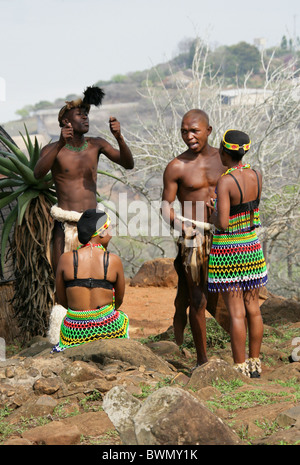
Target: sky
[[52, 48]]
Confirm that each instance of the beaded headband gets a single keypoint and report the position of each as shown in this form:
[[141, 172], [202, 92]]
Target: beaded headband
[[231, 146], [102, 228]]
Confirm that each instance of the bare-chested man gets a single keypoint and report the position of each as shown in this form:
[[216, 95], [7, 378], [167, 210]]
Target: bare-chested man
[[73, 161], [192, 178]]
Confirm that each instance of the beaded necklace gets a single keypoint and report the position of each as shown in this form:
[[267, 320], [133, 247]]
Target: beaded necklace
[[100, 246], [77, 149], [236, 168]]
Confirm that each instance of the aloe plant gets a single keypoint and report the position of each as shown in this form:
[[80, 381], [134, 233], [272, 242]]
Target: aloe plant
[[31, 223], [18, 170]]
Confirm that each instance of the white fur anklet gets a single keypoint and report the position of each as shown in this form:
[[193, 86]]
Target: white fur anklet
[[254, 365], [242, 368]]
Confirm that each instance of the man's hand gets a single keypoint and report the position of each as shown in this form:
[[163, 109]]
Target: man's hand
[[67, 133], [115, 127], [212, 217], [189, 230]]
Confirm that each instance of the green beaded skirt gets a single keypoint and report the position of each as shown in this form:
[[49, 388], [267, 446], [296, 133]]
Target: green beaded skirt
[[236, 262], [82, 326]]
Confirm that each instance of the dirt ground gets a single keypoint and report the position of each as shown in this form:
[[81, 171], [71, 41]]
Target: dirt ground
[[150, 309]]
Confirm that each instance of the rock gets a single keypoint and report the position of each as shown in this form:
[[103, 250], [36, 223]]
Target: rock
[[85, 387], [290, 436], [47, 385], [121, 408], [171, 416], [56, 433], [90, 423], [159, 272], [285, 372], [289, 417], [80, 371], [35, 346], [181, 379], [279, 310], [214, 370], [109, 350], [125, 378], [42, 406], [208, 393], [163, 348], [17, 442]]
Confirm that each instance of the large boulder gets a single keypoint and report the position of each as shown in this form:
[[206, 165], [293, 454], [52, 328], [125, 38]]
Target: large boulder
[[172, 416], [107, 351], [169, 416], [213, 371], [121, 407], [159, 272], [280, 310]]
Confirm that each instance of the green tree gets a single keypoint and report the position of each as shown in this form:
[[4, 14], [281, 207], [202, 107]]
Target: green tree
[[241, 59], [25, 111], [283, 44]]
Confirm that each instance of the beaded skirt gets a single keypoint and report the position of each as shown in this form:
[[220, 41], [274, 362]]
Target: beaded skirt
[[81, 326], [236, 262]]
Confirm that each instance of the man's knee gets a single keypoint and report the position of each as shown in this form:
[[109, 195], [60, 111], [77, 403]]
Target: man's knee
[[198, 301], [197, 294]]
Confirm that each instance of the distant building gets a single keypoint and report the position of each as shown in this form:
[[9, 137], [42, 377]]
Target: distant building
[[260, 43], [244, 96]]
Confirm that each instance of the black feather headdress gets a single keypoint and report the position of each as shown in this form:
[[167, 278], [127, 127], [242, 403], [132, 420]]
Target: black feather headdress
[[91, 96]]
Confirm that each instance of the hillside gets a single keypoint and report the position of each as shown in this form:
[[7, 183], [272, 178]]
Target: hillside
[[64, 399], [149, 105], [124, 92]]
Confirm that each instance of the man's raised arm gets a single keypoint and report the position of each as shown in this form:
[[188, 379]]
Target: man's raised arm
[[123, 156], [50, 152]]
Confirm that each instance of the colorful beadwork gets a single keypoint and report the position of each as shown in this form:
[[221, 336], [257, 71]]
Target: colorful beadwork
[[236, 259], [99, 246], [77, 149], [231, 146], [238, 167], [82, 326], [102, 228], [242, 221]]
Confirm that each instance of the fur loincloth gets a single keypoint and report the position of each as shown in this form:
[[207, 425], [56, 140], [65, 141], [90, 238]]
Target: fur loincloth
[[58, 313], [68, 220], [202, 225], [194, 251]]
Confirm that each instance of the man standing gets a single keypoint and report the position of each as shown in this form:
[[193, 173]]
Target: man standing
[[192, 178], [73, 161]]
